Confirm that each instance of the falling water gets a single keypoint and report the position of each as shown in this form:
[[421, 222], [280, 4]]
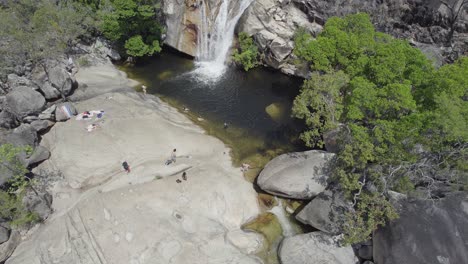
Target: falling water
[[279, 212], [218, 20]]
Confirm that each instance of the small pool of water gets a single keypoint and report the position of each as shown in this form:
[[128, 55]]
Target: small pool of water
[[256, 105]]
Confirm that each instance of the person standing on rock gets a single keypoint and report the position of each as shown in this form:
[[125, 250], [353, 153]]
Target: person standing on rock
[[174, 155], [126, 166], [143, 87]]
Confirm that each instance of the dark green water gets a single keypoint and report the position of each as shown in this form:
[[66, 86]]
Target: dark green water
[[240, 99]]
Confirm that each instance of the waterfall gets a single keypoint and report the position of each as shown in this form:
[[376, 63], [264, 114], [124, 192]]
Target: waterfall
[[218, 19], [279, 212]]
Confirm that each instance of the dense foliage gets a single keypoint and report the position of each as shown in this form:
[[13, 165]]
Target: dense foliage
[[11, 206], [33, 30], [404, 123], [134, 24], [247, 54]]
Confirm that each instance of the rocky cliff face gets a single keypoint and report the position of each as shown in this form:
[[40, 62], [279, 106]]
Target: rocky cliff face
[[439, 28], [182, 18]]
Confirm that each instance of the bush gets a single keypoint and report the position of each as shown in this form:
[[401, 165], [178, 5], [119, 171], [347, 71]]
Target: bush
[[247, 54]]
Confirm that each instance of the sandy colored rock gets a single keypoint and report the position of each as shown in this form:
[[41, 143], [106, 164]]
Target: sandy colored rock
[[104, 215]]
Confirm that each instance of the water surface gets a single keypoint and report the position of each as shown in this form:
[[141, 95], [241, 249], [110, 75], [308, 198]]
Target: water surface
[[239, 99]]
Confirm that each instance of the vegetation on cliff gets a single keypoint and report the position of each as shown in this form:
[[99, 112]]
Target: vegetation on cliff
[[34, 30], [404, 123], [247, 54]]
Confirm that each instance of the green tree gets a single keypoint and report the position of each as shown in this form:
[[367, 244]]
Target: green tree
[[247, 54], [392, 102], [134, 25], [320, 105]]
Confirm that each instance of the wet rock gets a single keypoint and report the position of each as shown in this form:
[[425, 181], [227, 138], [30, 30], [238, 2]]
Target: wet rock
[[326, 212], [299, 175], [24, 101], [425, 231], [315, 247]]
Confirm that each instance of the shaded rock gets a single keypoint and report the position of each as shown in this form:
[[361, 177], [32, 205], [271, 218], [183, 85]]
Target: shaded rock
[[4, 234], [8, 120], [330, 139], [24, 135], [23, 101], [365, 252], [315, 247], [326, 212], [104, 48], [425, 232], [63, 110], [299, 175], [7, 248], [40, 154], [39, 204], [60, 79], [40, 78], [40, 125], [368, 262], [48, 114]]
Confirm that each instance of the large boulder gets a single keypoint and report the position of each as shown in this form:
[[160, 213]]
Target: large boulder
[[23, 101], [299, 175], [64, 111], [313, 248], [24, 135], [40, 78], [326, 212], [8, 120], [60, 79], [39, 154], [425, 232], [41, 125], [7, 248], [4, 234], [272, 24], [14, 80], [39, 203]]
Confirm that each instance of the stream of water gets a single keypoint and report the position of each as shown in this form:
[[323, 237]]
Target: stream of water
[[215, 36]]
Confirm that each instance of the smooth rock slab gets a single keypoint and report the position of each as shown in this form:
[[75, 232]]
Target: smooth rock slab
[[299, 175], [314, 248]]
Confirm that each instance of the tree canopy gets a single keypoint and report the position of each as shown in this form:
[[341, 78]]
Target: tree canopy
[[391, 101]]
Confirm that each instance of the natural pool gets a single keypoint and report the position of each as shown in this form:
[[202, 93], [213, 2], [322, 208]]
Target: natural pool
[[256, 105]]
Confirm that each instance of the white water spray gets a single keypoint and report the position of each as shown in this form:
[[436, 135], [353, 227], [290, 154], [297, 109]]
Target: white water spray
[[278, 211], [218, 19]]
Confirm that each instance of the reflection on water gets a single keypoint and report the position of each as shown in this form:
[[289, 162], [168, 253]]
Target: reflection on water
[[255, 105]]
